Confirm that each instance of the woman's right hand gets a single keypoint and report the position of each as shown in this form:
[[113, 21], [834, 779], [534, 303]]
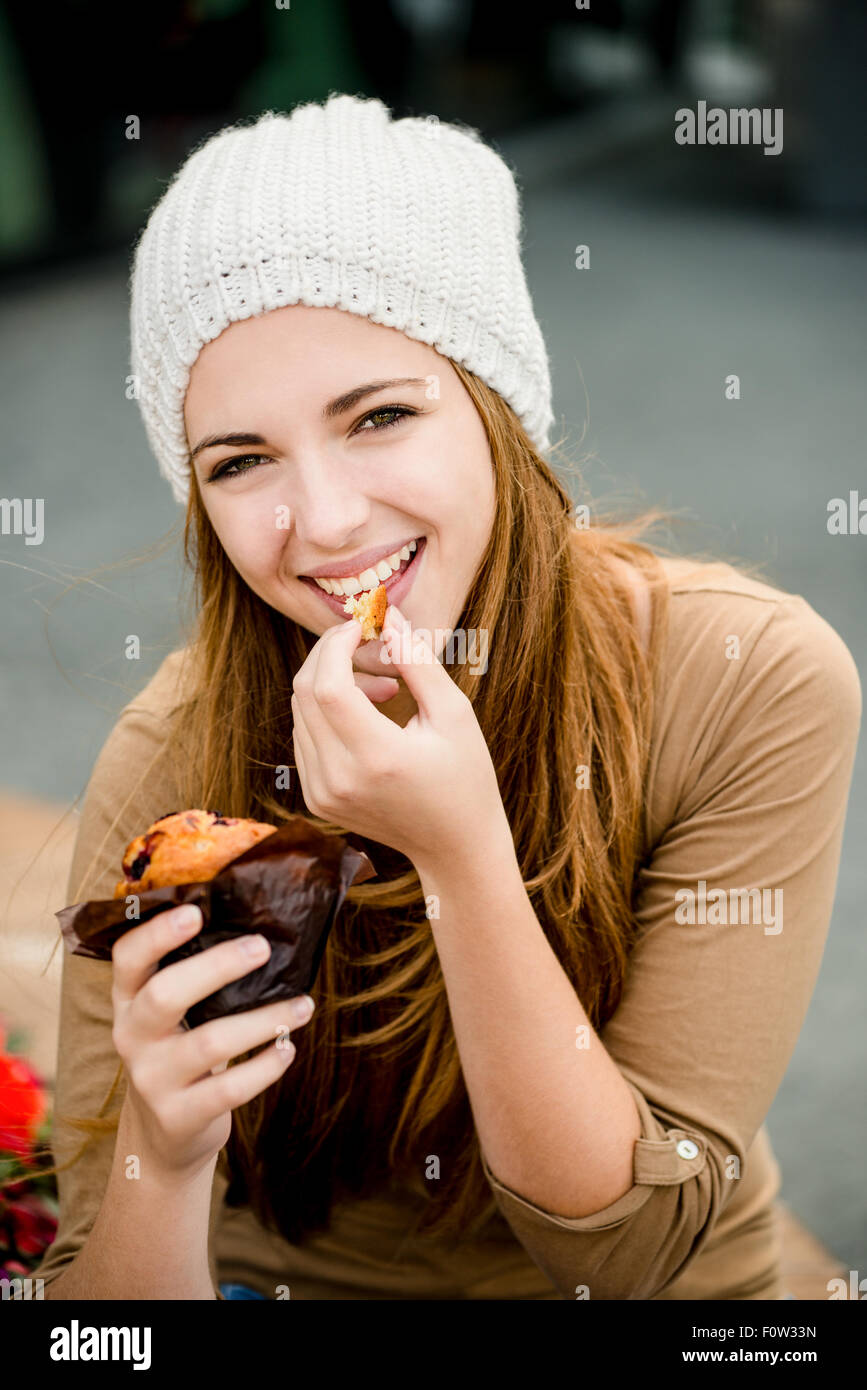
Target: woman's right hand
[[180, 1091]]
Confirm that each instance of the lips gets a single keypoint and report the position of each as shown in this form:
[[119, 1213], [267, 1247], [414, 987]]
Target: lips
[[396, 586], [354, 567], [366, 579]]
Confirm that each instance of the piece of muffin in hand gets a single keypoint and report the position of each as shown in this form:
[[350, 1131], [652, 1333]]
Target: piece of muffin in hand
[[186, 847], [369, 608]]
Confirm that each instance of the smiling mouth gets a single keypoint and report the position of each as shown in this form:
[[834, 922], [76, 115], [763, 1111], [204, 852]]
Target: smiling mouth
[[386, 571]]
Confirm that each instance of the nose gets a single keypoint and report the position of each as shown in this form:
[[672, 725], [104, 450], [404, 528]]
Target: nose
[[328, 507]]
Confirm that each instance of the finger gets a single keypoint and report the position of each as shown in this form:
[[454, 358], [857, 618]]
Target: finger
[[413, 658], [338, 698], [316, 725], [329, 696], [162, 1003], [377, 688], [322, 737], [318, 761], [321, 746], [199, 1104], [135, 954], [348, 633], [304, 750], [305, 676], [298, 737], [217, 1042]]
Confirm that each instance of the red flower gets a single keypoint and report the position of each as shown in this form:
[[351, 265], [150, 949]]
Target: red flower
[[22, 1104], [31, 1227]]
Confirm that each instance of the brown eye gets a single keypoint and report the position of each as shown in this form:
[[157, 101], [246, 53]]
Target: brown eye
[[224, 470], [398, 412]]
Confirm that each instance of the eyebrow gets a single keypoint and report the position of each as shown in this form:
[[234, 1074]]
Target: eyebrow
[[330, 411]]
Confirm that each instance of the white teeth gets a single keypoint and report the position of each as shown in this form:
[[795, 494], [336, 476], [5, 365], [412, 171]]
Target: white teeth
[[370, 578]]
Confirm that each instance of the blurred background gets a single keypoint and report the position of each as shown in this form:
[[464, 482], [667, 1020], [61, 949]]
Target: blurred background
[[703, 261]]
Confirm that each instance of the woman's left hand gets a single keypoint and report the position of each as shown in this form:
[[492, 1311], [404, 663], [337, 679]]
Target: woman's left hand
[[425, 790]]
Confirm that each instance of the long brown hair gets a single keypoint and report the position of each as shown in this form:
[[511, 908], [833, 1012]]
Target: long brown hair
[[376, 1087]]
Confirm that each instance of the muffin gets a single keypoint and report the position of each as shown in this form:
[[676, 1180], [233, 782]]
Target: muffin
[[369, 609], [186, 847]]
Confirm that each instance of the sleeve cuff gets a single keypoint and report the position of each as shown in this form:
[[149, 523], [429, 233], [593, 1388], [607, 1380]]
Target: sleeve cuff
[[662, 1158]]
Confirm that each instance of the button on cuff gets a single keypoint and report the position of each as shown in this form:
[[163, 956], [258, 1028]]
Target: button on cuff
[[660, 1160]]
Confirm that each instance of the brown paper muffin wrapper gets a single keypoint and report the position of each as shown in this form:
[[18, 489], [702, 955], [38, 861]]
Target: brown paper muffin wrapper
[[289, 887]]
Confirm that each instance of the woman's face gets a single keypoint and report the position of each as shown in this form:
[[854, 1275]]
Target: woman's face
[[341, 484]]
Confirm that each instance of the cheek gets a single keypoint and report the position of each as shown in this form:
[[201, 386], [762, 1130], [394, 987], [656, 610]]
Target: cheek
[[461, 490], [450, 483], [250, 538]]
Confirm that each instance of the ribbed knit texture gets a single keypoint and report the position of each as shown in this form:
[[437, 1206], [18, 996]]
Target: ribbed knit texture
[[412, 223]]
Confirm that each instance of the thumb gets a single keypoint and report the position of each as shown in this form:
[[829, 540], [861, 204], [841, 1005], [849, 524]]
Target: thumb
[[411, 653]]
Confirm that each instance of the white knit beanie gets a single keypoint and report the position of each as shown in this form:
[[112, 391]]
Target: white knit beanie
[[411, 223]]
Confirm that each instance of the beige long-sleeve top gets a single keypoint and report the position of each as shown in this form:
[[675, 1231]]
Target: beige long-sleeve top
[[752, 758]]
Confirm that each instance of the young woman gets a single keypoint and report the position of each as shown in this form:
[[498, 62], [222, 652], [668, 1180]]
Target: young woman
[[603, 789]]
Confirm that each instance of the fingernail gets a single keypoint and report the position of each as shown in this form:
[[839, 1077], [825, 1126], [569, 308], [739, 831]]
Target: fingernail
[[254, 945], [188, 917], [303, 1008]]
